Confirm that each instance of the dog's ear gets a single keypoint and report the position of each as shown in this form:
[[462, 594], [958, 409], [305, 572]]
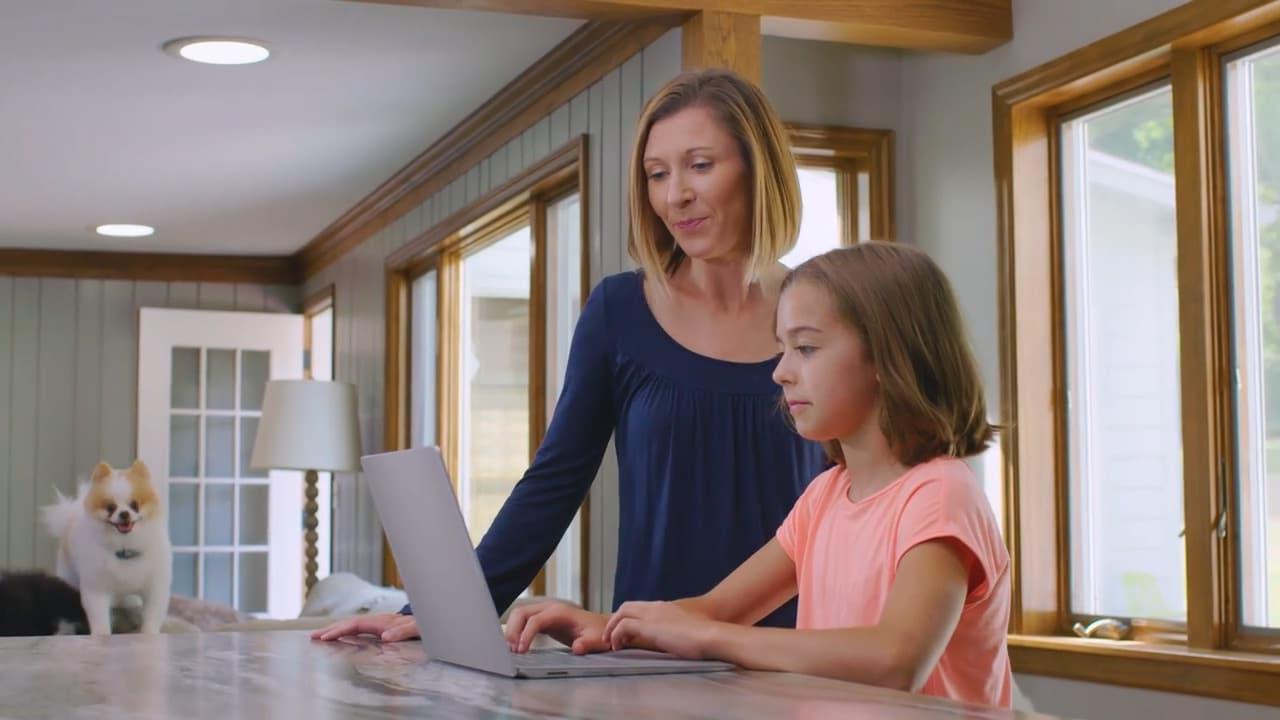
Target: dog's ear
[[139, 470], [101, 472]]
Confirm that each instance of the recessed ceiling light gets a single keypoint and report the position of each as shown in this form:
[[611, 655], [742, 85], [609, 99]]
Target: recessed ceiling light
[[125, 230], [218, 50]]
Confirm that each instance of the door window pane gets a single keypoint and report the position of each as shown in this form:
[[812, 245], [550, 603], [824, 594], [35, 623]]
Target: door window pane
[[184, 445], [255, 370], [219, 500], [220, 392], [1253, 134], [219, 437], [253, 582], [183, 513], [495, 376], [1122, 373], [184, 383], [254, 513], [184, 574], [217, 578]]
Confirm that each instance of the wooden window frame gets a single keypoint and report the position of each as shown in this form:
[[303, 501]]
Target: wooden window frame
[[316, 303], [852, 151], [1186, 45], [523, 199]]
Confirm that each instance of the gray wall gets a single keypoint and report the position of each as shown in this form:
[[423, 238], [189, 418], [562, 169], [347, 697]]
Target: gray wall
[[68, 386], [606, 112], [949, 197]]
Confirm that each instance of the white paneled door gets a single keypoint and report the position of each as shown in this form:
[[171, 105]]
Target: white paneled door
[[236, 531]]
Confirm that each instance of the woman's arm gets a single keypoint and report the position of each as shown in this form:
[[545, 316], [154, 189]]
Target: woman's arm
[[921, 613]]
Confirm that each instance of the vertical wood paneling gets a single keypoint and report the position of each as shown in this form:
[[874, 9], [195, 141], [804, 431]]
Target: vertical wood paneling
[[559, 132], [610, 253], [661, 62], [88, 390], [595, 225], [7, 420], [184, 295], [276, 298], [22, 448], [515, 157], [120, 373], [251, 298], [578, 111], [55, 419], [632, 92], [217, 296], [542, 139], [473, 184]]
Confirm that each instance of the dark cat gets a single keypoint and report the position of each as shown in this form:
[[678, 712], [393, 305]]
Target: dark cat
[[36, 603]]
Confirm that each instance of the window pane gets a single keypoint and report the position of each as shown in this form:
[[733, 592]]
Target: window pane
[[564, 302], [217, 578], [1253, 132], [423, 357], [184, 445], [495, 376], [255, 503], [255, 370], [248, 437], [183, 513], [219, 500], [219, 446], [253, 583], [220, 393], [820, 224], [1123, 405], [184, 574], [184, 383]]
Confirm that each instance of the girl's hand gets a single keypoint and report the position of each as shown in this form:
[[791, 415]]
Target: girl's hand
[[661, 626], [389, 627], [569, 624]]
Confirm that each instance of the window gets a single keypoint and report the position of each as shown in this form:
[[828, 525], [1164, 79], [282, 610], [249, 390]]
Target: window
[[318, 341], [1253, 159], [1138, 198], [1120, 281], [844, 187], [485, 308]]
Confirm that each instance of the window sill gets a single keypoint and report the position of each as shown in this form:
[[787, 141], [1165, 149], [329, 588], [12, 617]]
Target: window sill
[[1244, 677]]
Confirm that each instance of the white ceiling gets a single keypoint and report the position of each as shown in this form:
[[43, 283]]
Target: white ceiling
[[98, 125]]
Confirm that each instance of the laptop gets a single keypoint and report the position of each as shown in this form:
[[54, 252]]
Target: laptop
[[451, 602]]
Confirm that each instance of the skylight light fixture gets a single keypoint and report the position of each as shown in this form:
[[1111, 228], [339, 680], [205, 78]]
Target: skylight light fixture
[[125, 230], [218, 50]]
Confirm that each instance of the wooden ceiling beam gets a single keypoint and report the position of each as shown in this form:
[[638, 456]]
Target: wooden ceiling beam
[[969, 26], [722, 40]]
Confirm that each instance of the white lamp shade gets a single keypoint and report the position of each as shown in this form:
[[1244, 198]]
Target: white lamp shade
[[308, 425]]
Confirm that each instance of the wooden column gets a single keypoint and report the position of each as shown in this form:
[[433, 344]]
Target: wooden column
[[723, 40]]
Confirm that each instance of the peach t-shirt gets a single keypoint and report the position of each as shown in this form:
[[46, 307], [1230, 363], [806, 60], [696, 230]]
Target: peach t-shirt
[[846, 556]]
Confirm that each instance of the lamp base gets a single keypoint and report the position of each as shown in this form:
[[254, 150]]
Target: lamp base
[[309, 523]]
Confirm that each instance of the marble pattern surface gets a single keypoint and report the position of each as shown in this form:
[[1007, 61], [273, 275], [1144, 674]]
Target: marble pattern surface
[[288, 675]]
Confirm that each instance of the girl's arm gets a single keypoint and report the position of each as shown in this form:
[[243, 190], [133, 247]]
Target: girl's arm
[[756, 588], [900, 652]]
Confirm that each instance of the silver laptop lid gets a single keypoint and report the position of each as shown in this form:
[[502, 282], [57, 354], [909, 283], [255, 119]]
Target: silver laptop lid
[[451, 601]]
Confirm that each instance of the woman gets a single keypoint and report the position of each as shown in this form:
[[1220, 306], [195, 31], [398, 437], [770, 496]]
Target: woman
[[678, 358]]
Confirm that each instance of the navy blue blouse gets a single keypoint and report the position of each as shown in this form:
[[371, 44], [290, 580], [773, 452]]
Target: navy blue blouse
[[708, 466]]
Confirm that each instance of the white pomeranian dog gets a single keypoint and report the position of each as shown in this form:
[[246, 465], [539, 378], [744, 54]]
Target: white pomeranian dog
[[113, 544]]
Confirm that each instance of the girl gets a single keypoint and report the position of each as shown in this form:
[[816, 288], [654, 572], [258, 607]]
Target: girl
[[901, 570]]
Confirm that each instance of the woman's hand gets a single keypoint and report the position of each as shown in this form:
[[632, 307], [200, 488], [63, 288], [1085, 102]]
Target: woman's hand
[[581, 630], [389, 627], [661, 626]]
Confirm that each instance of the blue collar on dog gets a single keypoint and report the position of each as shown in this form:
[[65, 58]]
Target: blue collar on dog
[[127, 554]]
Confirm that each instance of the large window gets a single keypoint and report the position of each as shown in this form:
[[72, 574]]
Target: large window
[[485, 310], [1120, 281], [1253, 158], [1138, 192]]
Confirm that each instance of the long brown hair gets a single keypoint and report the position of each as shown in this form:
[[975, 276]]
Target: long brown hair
[[901, 304], [746, 114]]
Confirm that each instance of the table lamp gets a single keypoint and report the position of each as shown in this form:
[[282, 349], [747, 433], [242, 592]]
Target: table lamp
[[310, 425]]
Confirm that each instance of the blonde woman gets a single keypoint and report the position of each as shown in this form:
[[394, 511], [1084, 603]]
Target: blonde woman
[[677, 358]]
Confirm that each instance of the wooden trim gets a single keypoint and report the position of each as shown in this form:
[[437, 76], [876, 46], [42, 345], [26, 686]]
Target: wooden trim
[[165, 267], [538, 346], [548, 172], [396, 369], [448, 373], [319, 301], [586, 56], [1135, 50], [1230, 676], [711, 39], [870, 148], [950, 25], [1204, 321]]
